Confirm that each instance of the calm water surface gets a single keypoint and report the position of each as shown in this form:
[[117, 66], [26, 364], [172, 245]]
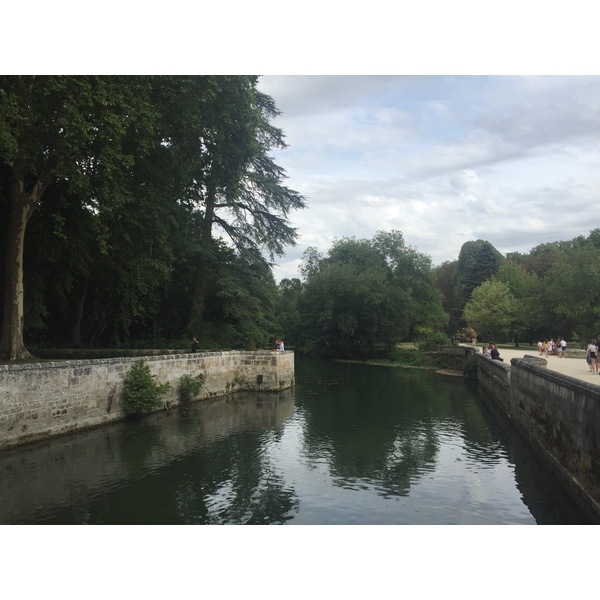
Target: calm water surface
[[351, 444]]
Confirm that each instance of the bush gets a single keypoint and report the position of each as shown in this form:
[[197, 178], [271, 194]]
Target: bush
[[189, 387], [406, 356], [141, 393], [465, 335], [432, 342], [470, 369]]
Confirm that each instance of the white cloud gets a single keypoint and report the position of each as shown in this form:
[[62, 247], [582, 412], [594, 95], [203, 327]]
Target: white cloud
[[445, 160]]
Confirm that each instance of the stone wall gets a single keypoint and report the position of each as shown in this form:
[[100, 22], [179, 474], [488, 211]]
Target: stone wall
[[42, 400], [85, 470], [558, 414]]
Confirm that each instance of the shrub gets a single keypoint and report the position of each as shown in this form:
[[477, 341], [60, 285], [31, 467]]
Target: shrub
[[141, 393], [189, 387], [470, 369], [433, 341], [406, 356], [465, 335]]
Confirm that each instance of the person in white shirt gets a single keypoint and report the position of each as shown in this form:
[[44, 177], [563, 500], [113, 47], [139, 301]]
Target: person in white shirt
[[592, 352], [561, 348]]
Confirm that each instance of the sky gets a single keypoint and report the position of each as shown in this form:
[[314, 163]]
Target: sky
[[444, 159], [449, 122]]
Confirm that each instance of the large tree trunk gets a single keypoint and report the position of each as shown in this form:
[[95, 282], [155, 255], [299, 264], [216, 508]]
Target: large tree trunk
[[199, 292], [22, 204], [77, 312], [11, 342]]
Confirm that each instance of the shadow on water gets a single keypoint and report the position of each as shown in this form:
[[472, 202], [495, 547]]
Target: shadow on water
[[200, 464]]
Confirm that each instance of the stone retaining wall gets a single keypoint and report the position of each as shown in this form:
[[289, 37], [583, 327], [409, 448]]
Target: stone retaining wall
[[91, 467], [42, 400], [558, 414]]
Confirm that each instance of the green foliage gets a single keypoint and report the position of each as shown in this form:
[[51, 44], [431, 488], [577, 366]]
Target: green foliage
[[466, 335], [443, 282], [493, 310], [405, 356], [130, 175], [573, 283], [431, 343], [190, 386], [141, 393], [478, 260], [528, 291], [470, 370], [365, 296]]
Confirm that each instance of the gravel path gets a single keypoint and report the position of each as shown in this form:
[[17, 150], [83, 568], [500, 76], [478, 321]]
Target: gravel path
[[575, 367]]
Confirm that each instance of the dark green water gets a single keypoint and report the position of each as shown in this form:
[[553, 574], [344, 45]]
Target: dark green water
[[351, 444]]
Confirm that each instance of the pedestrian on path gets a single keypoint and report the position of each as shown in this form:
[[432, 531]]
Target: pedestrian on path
[[562, 346], [592, 351]]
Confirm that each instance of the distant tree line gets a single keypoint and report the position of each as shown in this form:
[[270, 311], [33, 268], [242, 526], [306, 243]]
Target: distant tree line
[[362, 298], [552, 291], [142, 211]]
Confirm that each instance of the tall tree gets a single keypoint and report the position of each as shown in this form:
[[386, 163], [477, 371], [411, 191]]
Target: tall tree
[[528, 291], [572, 286], [443, 283], [367, 295], [119, 164], [57, 127], [492, 310], [478, 260], [221, 125]]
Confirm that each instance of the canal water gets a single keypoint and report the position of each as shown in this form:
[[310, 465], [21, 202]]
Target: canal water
[[350, 444]]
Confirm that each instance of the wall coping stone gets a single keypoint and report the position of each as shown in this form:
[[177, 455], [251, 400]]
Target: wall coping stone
[[30, 366], [572, 383]]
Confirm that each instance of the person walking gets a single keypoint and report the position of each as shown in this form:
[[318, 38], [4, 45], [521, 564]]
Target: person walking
[[592, 352], [562, 347], [194, 345]]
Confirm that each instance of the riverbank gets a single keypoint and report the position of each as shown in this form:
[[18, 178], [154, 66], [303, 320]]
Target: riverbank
[[558, 413], [42, 400]]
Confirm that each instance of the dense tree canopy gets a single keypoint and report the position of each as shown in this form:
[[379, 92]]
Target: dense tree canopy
[[367, 295], [125, 186], [492, 310], [477, 261], [146, 210], [556, 289]]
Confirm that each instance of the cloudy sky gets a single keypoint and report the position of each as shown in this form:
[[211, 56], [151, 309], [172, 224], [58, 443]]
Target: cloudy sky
[[513, 160], [447, 135]]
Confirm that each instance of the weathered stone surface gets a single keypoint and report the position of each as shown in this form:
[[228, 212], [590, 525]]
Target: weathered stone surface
[[45, 399], [559, 415]]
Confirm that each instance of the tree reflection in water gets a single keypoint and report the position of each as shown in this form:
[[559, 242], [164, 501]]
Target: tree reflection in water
[[351, 444]]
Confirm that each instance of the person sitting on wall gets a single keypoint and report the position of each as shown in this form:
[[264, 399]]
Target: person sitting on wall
[[494, 353]]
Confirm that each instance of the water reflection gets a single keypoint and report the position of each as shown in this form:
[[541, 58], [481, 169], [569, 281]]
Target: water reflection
[[350, 444]]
